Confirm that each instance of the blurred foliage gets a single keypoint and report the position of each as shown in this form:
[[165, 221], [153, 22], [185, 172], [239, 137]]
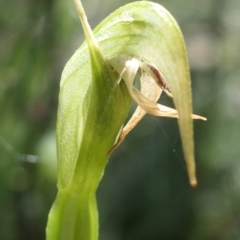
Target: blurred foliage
[[144, 193]]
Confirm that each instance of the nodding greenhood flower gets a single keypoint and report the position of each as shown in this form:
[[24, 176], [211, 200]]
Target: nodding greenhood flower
[[97, 85]]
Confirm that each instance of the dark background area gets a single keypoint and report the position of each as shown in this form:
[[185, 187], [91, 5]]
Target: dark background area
[[144, 194]]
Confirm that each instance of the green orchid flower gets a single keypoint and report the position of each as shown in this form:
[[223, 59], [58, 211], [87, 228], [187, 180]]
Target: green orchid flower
[[97, 85]]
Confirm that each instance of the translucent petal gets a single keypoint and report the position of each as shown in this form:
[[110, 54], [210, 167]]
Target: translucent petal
[[151, 90]]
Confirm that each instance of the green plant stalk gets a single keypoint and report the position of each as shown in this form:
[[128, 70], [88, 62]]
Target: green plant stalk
[[93, 104], [73, 216]]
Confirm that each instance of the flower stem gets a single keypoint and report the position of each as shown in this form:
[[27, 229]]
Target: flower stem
[[72, 217]]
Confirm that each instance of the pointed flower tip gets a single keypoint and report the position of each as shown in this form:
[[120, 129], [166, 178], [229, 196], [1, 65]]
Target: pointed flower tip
[[92, 43], [193, 183], [192, 173], [199, 117]]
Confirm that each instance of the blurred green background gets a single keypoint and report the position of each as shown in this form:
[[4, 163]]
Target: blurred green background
[[144, 194]]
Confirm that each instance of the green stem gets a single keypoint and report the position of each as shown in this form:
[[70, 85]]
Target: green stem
[[72, 217]]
